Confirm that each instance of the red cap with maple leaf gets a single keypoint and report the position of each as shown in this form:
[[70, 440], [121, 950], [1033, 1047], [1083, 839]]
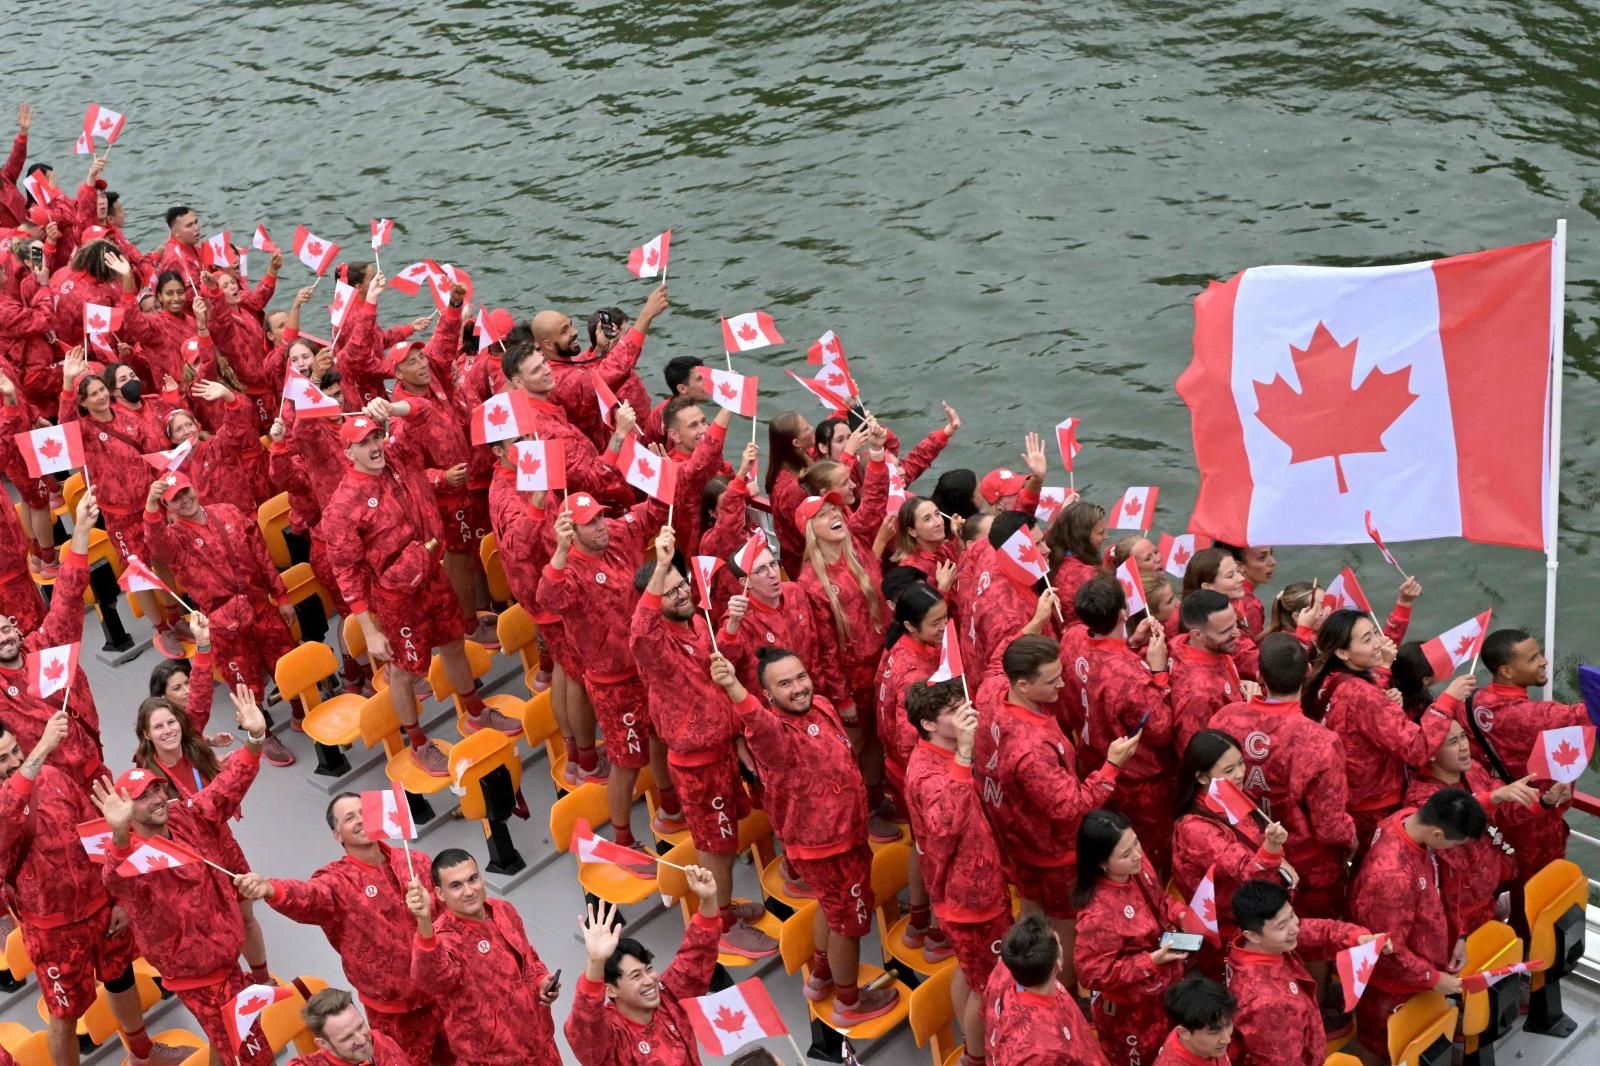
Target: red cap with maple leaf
[[812, 504], [135, 781], [396, 354], [998, 484], [176, 483], [584, 507], [357, 429]]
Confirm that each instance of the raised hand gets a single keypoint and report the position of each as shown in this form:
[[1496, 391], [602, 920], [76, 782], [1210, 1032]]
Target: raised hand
[[1410, 589], [1119, 751], [200, 626], [115, 805], [418, 904], [1276, 837], [701, 882], [966, 724], [248, 713], [747, 461], [251, 885], [301, 298], [1033, 455], [601, 933], [952, 421], [118, 265], [666, 544], [1519, 792], [1461, 687]]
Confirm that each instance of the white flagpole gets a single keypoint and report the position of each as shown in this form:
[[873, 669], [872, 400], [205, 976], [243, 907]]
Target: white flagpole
[[1558, 281]]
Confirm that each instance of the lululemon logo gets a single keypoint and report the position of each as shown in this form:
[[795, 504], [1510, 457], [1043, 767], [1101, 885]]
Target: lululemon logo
[[372, 501], [812, 729], [483, 947], [1127, 912], [372, 891]]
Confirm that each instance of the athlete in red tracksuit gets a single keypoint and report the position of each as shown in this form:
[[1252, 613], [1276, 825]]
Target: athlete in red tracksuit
[[26, 316], [186, 918], [81, 754], [643, 1021], [19, 593], [589, 582], [70, 929], [1204, 680], [960, 859], [587, 469], [907, 662], [18, 416], [1508, 718], [818, 806], [1036, 1027], [359, 903], [361, 343], [776, 615], [13, 201], [1404, 890], [574, 370], [702, 462], [491, 986], [236, 325], [1129, 694], [229, 465], [995, 610], [1027, 771], [221, 559], [1380, 741], [1202, 842], [1119, 929], [1278, 1021]]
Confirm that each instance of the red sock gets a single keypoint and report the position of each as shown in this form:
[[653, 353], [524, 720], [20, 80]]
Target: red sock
[[42, 552], [729, 920], [921, 916], [667, 802], [546, 663], [623, 834], [846, 995], [415, 734], [473, 703], [138, 1042], [820, 968], [587, 759]]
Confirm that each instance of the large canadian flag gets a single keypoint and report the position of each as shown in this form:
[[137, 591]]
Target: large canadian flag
[[1419, 392]]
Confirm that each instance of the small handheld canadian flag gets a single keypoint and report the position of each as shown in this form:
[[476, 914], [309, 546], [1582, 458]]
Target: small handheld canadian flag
[[648, 472], [1052, 498], [1344, 593], [493, 326], [1020, 559], [51, 670], [170, 460], [597, 849], [38, 187], [1133, 511], [1457, 646], [104, 123], [137, 577], [1562, 754], [248, 1007], [51, 449], [317, 254], [604, 397], [749, 331], [837, 402], [340, 306], [1224, 797], [1067, 441], [541, 466], [835, 376], [705, 570], [382, 230], [897, 486], [261, 242], [736, 392], [726, 1021], [501, 417], [649, 260], [1201, 917], [1388, 556], [950, 666], [1355, 969], [83, 146], [386, 814], [1480, 982], [151, 854], [95, 836], [1177, 551], [825, 348], [98, 318], [411, 279], [216, 251], [749, 553], [443, 279], [308, 400], [1132, 583]]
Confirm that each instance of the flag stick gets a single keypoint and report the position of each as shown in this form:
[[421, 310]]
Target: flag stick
[[799, 1056], [964, 693], [219, 869], [375, 264], [711, 631], [1558, 281], [314, 284], [669, 510], [1072, 481], [406, 844], [753, 424]]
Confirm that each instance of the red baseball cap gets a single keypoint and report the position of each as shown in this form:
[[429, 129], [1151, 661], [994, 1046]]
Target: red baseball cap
[[176, 483], [357, 429], [998, 484], [135, 781], [812, 504], [396, 355], [583, 507]]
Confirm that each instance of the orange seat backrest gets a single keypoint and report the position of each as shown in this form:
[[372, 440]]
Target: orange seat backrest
[[482, 752], [588, 802], [299, 672]]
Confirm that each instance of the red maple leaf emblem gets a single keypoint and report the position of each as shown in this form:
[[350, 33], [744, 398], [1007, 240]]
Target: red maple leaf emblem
[[834, 378], [528, 465], [644, 468], [255, 1004], [1030, 554], [97, 321], [54, 670], [650, 257], [832, 347], [727, 390], [1131, 508], [1364, 972], [730, 1021], [313, 248], [1331, 417], [105, 124], [1127, 586], [1180, 555], [1465, 646], [1208, 910], [496, 416], [747, 332], [50, 448], [157, 860], [1565, 755]]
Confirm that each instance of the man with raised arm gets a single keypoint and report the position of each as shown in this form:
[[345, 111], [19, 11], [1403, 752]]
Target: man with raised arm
[[359, 903]]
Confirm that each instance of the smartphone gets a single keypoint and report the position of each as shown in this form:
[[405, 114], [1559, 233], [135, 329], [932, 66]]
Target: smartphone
[[36, 256], [555, 980], [1142, 721], [1182, 941]]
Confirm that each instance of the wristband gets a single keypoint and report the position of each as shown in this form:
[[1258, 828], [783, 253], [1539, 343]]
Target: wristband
[[252, 738]]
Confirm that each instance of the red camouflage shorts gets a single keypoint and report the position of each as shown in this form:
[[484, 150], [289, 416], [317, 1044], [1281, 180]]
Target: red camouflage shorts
[[619, 709], [977, 946], [419, 1032], [1048, 886], [33, 491], [127, 535], [19, 598], [464, 517], [843, 884], [212, 1007], [69, 959], [713, 801], [418, 621]]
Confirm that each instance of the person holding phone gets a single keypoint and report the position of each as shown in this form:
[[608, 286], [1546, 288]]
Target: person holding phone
[[492, 986], [1123, 912], [623, 1012]]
